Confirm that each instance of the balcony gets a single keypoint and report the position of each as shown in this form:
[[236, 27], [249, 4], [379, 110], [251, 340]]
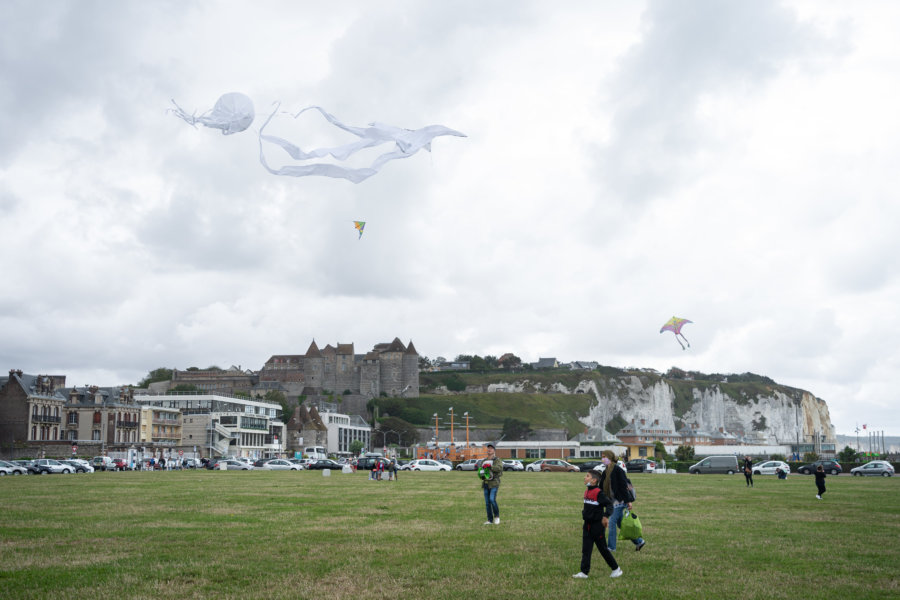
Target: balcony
[[45, 419], [127, 424]]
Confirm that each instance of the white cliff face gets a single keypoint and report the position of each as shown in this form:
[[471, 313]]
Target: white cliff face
[[777, 417]]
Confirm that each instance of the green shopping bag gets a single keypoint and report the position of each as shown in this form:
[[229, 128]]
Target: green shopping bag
[[630, 529]]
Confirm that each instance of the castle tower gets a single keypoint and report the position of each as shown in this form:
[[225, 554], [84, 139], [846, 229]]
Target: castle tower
[[410, 372], [313, 369], [345, 375], [391, 368]]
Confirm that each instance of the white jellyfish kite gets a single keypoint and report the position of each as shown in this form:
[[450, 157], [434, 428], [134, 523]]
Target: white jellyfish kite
[[234, 113]]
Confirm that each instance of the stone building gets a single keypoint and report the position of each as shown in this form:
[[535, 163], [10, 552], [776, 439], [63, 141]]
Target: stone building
[[38, 415], [389, 368]]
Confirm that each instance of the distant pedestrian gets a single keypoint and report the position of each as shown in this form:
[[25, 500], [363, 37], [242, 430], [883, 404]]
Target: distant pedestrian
[[595, 514], [748, 471], [394, 469], [490, 470], [820, 481]]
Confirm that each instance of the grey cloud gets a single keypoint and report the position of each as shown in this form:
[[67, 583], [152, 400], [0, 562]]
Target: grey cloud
[[690, 50]]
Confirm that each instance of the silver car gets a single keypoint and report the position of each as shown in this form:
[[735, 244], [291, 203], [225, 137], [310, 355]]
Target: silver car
[[279, 464], [13, 468], [874, 467], [42, 466], [469, 465]]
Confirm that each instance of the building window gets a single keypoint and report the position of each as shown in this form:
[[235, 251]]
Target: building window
[[95, 435], [535, 453]]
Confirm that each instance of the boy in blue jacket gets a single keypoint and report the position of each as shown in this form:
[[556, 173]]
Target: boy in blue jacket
[[596, 512]]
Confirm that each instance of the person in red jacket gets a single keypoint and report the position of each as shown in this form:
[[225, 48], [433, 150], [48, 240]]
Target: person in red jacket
[[595, 514]]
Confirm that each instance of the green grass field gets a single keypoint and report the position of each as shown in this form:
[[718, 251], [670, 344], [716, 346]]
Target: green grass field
[[211, 534]]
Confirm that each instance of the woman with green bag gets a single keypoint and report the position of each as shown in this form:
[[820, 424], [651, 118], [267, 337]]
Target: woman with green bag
[[615, 486]]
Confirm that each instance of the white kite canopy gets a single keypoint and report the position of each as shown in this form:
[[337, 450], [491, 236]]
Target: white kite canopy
[[406, 141], [232, 113]]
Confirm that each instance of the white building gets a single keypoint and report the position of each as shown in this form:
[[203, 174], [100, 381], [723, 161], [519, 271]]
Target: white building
[[218, 425], [343, 430]]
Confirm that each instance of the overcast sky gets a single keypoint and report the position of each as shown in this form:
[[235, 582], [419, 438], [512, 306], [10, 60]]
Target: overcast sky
[[734, 163]]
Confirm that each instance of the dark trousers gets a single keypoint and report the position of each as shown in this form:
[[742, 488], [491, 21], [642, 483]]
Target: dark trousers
[[595, 534], [821, 488], [749, 476]]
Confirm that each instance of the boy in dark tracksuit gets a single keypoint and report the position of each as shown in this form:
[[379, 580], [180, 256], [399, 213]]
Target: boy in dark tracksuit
[[596, 512], [820, 481]]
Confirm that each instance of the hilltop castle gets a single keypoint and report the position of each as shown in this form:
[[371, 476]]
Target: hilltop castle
[[389, 368]]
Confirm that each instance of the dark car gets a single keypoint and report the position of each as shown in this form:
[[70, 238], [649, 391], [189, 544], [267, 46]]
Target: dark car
[[640, 465], [325, 463], [589, 465], [830, 466]]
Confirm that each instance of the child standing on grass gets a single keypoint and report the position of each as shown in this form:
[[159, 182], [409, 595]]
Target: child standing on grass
[[820, 481], [596, 512]]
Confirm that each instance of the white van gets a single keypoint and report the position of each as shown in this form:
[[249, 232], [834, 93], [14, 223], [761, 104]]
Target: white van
[[315, 452]]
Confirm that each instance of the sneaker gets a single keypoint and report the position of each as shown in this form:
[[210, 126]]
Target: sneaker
[[818, 497], [639, 546], [487, 523], [580, 575], [496, 520], [616, 573]]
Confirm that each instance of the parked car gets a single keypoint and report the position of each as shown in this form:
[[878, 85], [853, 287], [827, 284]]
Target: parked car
[[365, 463], [43, 466], [235, 465], [725, 464], [830, 466], [640, 465], [324, 463], [468, 465], [103, 463], [427, 464], [119, 464], [25, 464], [555, 464], [770, 467], [80, 466], [14, 468], [589, 465], [445, 462], [513, 465], [5, 470], [535, 467], [277, 464], [874, 467]]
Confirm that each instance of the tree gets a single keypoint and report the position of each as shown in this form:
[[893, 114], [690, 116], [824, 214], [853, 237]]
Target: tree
[[810, 457], [356, 446], [490, 361], [684, 453], [424, 363], [778, 457], [155, 376], [848, 454], [660, 450], [278, 397], [509, 361], [514, 429]]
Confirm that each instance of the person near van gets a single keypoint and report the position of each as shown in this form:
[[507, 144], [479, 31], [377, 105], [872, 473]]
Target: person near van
[[394, 469], [615, 487], [748, 471], [490, 470], [820, 481], [595, 514]]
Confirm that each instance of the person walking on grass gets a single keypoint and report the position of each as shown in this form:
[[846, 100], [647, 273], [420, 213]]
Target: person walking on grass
[[820, 481], [615, 487], [595, 514], [748, 471], [490, 470]]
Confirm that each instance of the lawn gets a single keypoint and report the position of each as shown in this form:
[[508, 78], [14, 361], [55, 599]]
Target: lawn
[[211, 534]]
